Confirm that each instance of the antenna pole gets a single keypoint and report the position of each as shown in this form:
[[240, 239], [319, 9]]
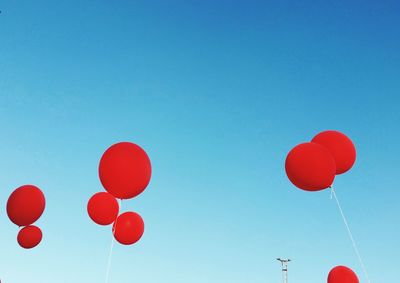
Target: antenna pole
[[284, 263]]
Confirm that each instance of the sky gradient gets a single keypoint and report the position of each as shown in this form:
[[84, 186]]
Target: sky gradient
[[217, 93]]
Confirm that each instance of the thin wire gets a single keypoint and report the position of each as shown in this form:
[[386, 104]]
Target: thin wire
[[111, 250], [333, 194]]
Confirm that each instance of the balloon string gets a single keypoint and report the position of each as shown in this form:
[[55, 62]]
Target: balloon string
[[109, 259], [111, 249], [333, 195]]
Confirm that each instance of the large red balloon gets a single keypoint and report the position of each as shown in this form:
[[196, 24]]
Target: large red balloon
[[125, 170], [128, 228], [310, 166], [29, 237], [25, 205], [103, 208], [342, 274], [341, 148]]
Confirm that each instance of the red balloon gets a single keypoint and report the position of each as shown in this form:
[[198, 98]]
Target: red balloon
[[29, 237], [25, 205], [128, 228], [310, 167], [342, 274], [103, 208], [125, 170], [341, 148]]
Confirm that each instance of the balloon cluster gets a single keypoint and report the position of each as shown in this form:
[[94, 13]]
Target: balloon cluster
[[342, 274], [125, 172], [24, 207], [312, 166]]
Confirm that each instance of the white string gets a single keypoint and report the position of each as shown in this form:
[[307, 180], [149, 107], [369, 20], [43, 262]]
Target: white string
[[333, 194], [109, 258], [111, 249]]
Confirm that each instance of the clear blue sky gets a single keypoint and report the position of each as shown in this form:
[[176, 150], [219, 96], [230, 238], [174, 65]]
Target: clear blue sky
[[217, 92]]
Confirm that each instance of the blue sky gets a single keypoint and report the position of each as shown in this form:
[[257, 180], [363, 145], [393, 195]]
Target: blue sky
[[217, 93]]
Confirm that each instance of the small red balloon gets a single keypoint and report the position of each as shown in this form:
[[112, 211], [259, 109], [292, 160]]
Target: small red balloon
[[342, 274], [125, 170], [310, 167], [25, 205], [103, 208], [29, 237], [341, 148], [128, 228]]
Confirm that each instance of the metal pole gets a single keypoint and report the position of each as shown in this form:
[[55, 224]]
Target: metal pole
[[284, 263]]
